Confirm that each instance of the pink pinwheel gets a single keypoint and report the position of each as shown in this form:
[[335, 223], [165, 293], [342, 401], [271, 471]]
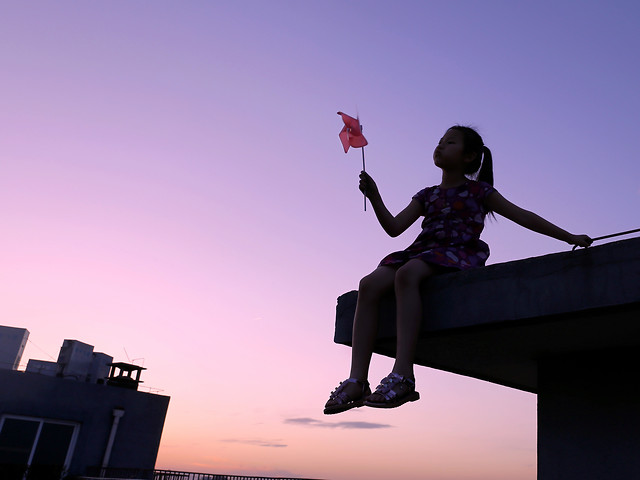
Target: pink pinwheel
[[351, 136], [351, 133]]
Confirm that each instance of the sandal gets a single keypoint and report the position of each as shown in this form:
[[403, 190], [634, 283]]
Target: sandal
[[394, 390], [340, 401]]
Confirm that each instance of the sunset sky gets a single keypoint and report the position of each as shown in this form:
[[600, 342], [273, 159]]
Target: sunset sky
[[173, 191]]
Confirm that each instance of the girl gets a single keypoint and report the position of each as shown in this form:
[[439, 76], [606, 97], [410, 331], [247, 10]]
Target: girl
[[454, 213]]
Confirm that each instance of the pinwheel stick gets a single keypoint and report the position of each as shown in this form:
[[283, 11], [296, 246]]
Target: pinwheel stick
[[364, 169]]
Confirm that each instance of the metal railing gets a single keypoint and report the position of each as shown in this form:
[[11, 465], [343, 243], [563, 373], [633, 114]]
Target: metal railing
[[137, 474], [174, 475]]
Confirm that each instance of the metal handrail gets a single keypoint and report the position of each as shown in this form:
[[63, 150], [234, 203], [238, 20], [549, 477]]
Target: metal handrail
[[131, 473], [177, 475]]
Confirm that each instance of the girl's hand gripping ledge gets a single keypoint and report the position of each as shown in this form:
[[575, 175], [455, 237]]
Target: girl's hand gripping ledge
[[580, 241]]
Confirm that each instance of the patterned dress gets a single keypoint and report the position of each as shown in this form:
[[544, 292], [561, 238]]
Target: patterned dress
[[453, 221]]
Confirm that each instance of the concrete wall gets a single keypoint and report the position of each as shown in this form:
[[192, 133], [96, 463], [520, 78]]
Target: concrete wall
[[589, 416], [90, 405], [495, 322]]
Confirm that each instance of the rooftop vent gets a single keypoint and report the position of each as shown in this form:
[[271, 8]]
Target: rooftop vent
[[124, 375]]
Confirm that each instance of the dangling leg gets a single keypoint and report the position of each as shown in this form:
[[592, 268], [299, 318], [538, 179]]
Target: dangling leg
[[365, 322], [399, 387], [351, 392], [409, 313]]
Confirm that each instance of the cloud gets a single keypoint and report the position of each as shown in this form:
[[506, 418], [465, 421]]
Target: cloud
[[311, 422], [256, 442]]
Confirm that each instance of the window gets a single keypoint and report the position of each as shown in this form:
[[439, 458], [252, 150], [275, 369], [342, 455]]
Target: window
[[35, 448]]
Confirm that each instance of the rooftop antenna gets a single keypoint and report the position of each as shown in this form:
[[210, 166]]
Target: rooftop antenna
[[134, 360]]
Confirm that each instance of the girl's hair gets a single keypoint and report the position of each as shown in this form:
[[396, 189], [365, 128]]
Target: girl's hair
[[481, 168]]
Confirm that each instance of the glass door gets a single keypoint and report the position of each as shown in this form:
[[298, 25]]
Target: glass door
[[35, 449]]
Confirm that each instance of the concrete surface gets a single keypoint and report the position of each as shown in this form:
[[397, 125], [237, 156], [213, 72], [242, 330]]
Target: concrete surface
[[495, 323]]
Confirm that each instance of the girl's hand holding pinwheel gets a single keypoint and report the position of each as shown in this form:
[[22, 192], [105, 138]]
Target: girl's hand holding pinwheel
[[368, 186]]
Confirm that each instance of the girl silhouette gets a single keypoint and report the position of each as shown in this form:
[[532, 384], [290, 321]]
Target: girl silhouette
[[454, 213]]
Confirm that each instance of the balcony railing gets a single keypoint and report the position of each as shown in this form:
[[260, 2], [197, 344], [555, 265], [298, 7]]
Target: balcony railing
[[171, 475], [137, 474]]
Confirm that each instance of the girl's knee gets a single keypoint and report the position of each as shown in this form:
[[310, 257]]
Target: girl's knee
[[367, 284], [376, 283], [412, 273], [404, 278]]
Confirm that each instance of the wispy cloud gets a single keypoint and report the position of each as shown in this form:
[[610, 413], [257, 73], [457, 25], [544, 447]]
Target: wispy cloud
[[256, 442], [312, 422]]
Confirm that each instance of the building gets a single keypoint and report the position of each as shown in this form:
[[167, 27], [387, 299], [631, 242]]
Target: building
[[82, 418], [12, 343]]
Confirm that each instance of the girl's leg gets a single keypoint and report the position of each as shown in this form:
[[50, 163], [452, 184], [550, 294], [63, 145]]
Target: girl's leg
[[365, 322], [409, 312], [351, 393]]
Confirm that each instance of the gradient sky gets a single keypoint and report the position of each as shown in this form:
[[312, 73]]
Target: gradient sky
[[173, 192]]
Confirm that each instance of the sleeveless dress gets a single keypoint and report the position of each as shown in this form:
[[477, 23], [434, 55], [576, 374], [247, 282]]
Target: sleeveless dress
[[453, 221]]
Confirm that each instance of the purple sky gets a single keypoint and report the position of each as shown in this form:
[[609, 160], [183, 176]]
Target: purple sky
[[173, 191]]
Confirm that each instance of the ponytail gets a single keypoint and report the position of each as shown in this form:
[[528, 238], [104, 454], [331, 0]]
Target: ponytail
[[481, 168], [486, 170]]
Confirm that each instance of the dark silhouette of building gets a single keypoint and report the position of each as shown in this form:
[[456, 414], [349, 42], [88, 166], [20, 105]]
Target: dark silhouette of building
[[76, 415]]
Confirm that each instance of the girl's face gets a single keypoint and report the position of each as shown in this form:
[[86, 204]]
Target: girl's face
[[449, 154]]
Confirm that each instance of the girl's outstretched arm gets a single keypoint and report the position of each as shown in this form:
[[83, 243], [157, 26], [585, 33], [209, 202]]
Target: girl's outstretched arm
[[393, 225], [500, 205]]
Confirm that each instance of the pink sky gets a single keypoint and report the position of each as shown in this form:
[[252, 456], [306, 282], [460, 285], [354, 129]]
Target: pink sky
[[173, 191]]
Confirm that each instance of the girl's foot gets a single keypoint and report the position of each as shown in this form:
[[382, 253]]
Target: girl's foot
[[349, 394], [393, 391]]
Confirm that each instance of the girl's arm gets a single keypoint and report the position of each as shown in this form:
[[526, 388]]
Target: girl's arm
[[500, 205], [393, 225]]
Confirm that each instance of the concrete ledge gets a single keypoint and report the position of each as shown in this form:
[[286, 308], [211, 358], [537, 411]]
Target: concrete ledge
[[588, 416], [496, 323]]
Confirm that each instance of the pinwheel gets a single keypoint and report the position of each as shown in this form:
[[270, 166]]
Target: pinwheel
[[351, 136]]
